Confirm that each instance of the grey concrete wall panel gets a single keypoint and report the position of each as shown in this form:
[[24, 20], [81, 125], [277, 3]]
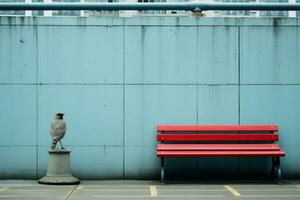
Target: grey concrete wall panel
[[218, 104], [146, 106], [141, 161], [98, 162], [86, 54], [18, 120], [291, 163], [18, 54], [118, 78], [217, 54], [156, 54], [270, 55], [18, 162], [92, 113], [42, 159], [278, 104]]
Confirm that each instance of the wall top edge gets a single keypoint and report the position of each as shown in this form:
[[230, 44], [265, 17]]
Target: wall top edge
[[148, 21]]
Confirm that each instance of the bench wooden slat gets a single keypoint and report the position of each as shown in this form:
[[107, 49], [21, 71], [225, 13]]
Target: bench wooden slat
[[216, 137], [218, 147], [218, 153], [219, 141], [218, 128]]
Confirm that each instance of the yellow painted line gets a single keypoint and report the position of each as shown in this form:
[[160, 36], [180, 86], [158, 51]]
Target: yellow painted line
[[153, 191], [2, 189], [232, 190], [80, 187]]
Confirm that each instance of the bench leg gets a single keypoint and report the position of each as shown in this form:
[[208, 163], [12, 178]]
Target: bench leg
[[162, 170], [278, 169], [273, 166]]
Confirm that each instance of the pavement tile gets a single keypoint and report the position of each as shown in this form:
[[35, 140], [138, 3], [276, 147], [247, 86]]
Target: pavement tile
[[139, 190]]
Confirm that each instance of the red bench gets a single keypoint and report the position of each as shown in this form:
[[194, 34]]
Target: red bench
[[231, 140]]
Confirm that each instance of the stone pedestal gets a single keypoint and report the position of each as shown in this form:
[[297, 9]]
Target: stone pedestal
[[59, 168]]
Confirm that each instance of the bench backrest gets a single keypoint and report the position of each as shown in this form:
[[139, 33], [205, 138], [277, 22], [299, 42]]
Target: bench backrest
[[219, 128], [176, 136]]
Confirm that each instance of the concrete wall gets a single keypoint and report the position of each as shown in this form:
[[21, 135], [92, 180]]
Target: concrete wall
[[117, 78]]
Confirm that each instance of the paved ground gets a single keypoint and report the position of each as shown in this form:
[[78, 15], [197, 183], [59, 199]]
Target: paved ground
[[128, 190]]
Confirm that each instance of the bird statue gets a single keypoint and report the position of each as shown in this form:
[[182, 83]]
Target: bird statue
[[57, 130]]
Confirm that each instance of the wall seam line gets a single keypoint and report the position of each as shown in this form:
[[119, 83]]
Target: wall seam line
[[239, 87], [123, 101], [197, 86], [37, 104]]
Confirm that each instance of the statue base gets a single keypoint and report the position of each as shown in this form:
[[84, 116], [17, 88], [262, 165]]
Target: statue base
[[59, 172]]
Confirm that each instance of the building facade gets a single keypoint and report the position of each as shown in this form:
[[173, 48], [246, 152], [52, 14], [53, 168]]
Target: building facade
[[177, 13]]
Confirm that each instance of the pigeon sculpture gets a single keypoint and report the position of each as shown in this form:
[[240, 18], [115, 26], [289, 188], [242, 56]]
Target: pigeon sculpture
[[57, 130]]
